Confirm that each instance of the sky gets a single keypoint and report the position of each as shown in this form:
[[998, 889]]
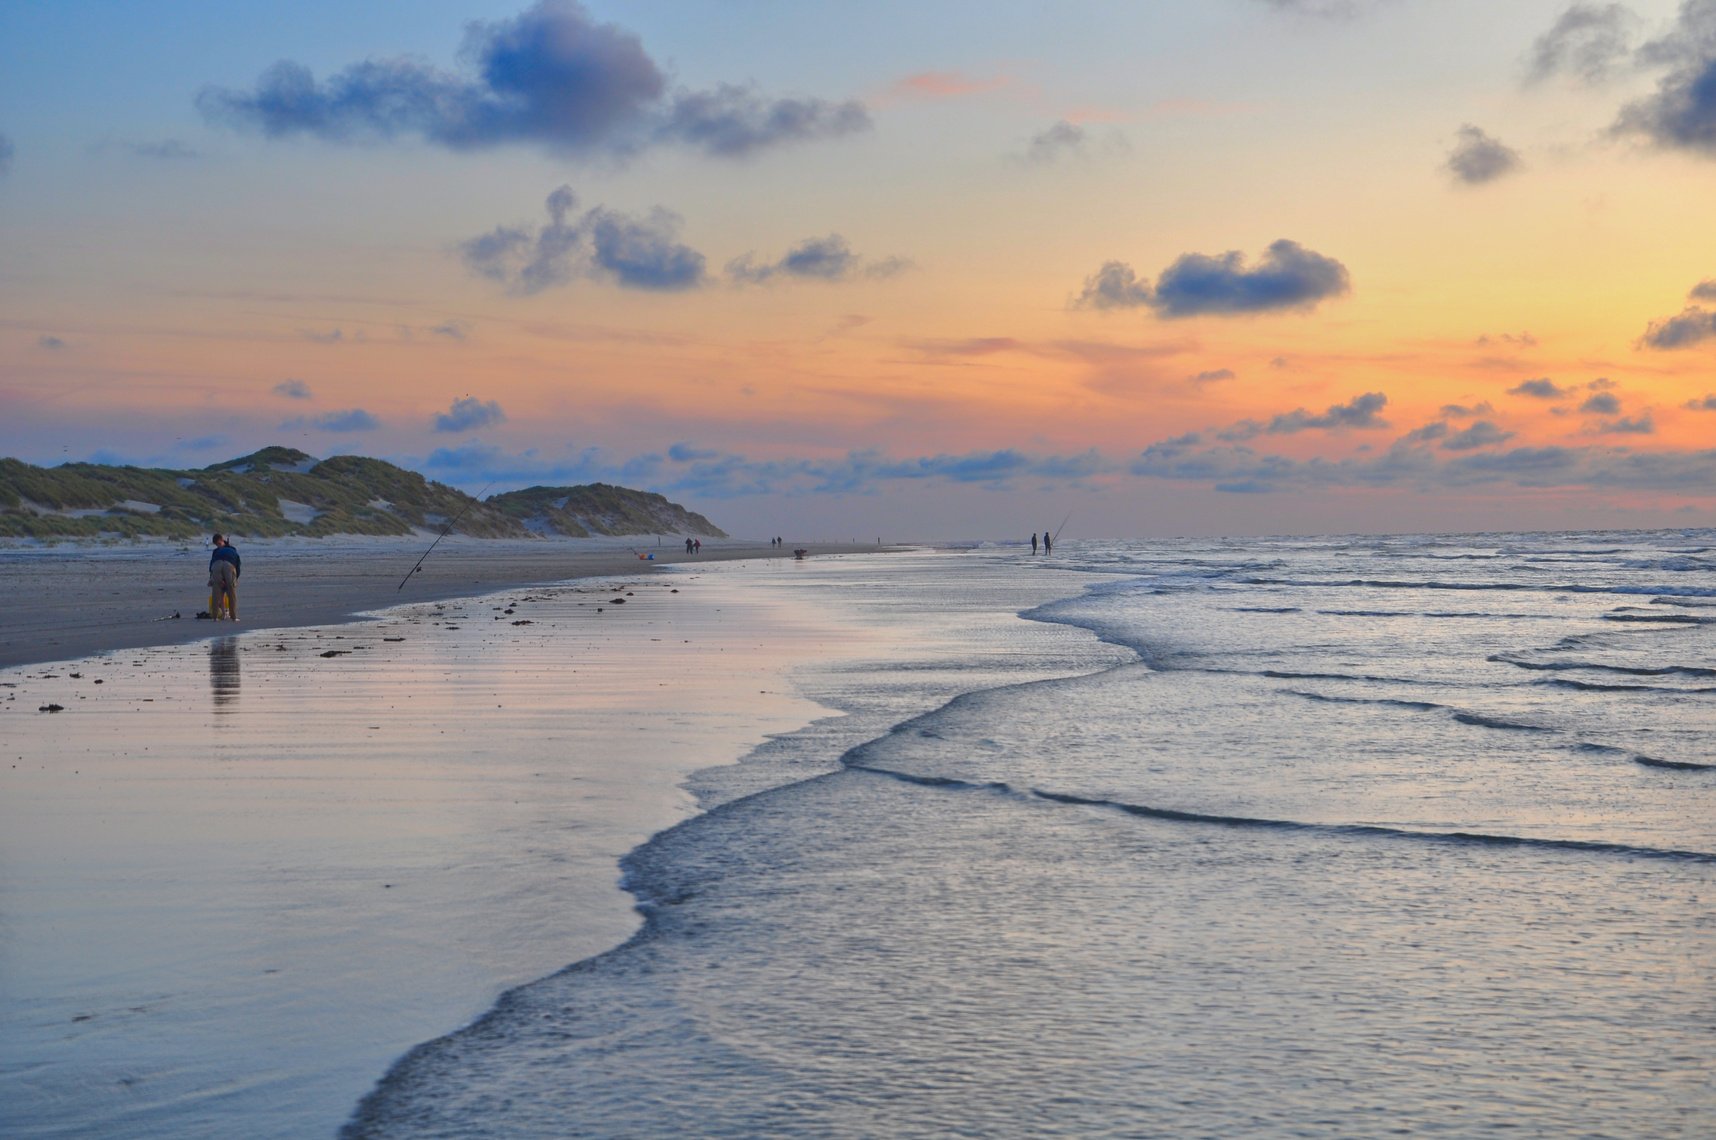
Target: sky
[[938, 269]]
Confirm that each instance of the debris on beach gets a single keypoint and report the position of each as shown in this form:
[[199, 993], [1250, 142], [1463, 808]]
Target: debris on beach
[[52, 708]]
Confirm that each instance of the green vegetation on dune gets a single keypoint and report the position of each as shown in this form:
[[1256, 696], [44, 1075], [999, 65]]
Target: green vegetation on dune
[[281, 491], [600, 508]]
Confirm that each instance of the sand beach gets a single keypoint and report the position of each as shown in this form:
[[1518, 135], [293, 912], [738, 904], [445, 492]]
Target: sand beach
[[69, 600], [1210, 837], [244, 872]]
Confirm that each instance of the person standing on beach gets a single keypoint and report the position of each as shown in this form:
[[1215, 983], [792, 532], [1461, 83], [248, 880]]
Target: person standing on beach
[[223, 579], [1033, 542], [1048, 543]]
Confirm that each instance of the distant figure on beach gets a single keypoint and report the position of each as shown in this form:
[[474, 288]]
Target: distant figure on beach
[[697, 547], [1048, 543], [223, 580], [688, 546], [1033, 542]]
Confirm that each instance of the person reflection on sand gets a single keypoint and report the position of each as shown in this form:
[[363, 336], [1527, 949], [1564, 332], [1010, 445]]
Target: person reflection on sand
[[223, 672]]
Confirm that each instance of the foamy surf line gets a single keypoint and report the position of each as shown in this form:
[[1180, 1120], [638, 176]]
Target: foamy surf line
[[243, 876]]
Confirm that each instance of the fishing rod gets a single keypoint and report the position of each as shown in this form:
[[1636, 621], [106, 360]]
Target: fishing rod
[[443, 534], [1058, 529]]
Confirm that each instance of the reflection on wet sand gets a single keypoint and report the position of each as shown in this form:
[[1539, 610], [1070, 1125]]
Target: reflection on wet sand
[[223, 672]]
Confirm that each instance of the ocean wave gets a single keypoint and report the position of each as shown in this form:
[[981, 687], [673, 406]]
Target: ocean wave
[[1420, 706], [1362, 830], [1598, 687], [1677, 765], [1599, 667], [1288, 675], [1482, 839], [1657, 619], [1439, 584], [1478, 720], [1648, 761], [1680, 565]]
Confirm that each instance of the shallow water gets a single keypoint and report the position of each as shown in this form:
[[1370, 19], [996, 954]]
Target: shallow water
[[1318, 840], [238, 878]]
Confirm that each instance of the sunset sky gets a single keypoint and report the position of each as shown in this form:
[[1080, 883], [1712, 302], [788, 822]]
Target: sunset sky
[[910, 270]]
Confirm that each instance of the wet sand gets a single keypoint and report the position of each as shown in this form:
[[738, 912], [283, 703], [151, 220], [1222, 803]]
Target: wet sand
[[69, 601], [241, 877]]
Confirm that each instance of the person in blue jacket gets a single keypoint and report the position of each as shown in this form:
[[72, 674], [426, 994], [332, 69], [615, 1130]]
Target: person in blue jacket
[[223, 579]]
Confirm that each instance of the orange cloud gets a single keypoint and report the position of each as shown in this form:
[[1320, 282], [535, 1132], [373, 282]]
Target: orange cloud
[[947, 85]]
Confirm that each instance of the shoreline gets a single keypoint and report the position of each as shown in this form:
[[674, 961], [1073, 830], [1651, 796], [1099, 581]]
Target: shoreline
[[243, 889], [70, 602]]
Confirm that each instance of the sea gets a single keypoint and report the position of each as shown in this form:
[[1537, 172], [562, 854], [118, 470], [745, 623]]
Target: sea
[[1340, 836], [1265, 837]]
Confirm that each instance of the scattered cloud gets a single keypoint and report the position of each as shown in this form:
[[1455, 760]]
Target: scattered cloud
[[971, 346], [1638, 425], [1462, 411], [452, 330], [1707, 404], [736, 122], [947, 85], [1478, 158], [51, 343], [331, 336], [1359, 412], [1287, 277], [1602, 404], [1426, 434], [643, 254], [1681, 113], [1058, 141], [293, 390], [1517, 340], [1069, 140], [1542, 388], [1211, 375], [1703, 291], [699, 472], [1694, 324], [467, 414], [1417, 467], [552, 77], [1481, 434], [815, 259], [1114, 286], [1588, 42], [602, 244], [1422, 461], [352, 419]]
